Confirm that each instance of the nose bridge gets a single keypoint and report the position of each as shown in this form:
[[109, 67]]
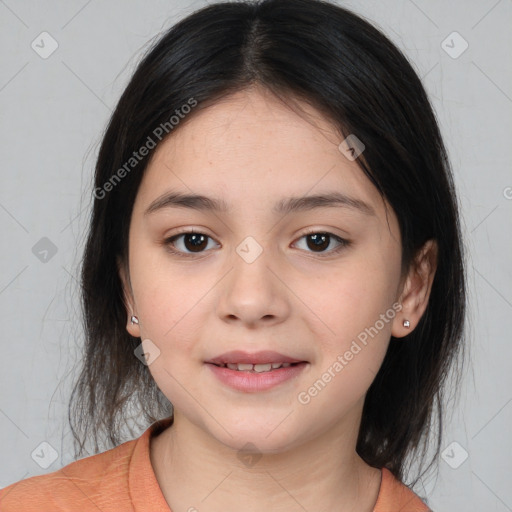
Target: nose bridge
[[252, 292]]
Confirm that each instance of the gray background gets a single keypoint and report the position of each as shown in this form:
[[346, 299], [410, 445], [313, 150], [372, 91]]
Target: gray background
[[53, 112]]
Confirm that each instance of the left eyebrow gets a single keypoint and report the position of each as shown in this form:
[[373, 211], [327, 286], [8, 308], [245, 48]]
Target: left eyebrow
[[331, 199], [283, 207]]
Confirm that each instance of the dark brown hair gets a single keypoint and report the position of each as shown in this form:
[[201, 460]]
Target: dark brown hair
[[321, 53]]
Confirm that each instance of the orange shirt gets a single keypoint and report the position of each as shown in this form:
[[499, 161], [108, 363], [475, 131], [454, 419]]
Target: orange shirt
[[122, 480]]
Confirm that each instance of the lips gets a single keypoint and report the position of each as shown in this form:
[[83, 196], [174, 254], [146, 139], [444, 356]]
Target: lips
[[261, 378], [256, 358]]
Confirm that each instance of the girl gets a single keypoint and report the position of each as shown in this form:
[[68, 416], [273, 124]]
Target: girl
[[273, 278]]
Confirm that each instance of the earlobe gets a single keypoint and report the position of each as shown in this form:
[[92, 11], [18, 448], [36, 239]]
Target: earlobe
[[133, 326], [416, 291]]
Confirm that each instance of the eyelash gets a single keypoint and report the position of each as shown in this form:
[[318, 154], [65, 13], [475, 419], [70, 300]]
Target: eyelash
[[343, 243]]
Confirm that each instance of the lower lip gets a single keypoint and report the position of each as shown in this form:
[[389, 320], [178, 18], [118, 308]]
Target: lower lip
[[251, 382]]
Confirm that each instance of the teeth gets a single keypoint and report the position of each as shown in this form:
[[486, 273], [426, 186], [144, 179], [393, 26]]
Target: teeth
[[256, 367], [262, 367], [245, 366]]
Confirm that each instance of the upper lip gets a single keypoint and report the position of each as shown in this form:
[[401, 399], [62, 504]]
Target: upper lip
[[265, 356]]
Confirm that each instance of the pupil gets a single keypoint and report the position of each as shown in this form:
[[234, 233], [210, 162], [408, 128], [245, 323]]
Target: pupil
[[197, 241], [321, 239]]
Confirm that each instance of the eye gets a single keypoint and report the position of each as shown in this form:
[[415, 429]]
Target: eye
[[191, 241], [319, 240]]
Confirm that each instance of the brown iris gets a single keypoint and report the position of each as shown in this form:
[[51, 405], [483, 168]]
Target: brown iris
[[320, 240]]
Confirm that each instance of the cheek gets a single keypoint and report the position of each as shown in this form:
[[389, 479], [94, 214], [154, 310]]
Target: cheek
[[352, 300], [350, 350], [353, 315], [168, 302], [171, 315], [172, 320]]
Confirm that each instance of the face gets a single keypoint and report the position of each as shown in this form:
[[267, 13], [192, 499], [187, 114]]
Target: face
[[318, 285]]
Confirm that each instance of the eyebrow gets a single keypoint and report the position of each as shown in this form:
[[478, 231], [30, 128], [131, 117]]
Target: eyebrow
[[283, 207]]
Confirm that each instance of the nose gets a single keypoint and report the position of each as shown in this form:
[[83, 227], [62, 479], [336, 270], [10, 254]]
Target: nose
[[253, 292]]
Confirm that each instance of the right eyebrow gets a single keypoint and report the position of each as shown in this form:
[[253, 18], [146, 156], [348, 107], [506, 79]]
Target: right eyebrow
[[193, 201]]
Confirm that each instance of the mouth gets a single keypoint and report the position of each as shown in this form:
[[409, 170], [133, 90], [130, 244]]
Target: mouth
[[257, 371], [256, 362], [256, 368], [253, 373]]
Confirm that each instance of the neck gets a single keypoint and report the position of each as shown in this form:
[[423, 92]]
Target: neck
[[196, 472]]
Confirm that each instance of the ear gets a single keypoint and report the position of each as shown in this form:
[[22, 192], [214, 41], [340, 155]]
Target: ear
[[133, 329], [416, 289]]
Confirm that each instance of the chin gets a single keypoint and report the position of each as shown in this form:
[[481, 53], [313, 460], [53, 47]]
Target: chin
[[257, 437]]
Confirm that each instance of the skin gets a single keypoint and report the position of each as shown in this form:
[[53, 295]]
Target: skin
[[251, 151]]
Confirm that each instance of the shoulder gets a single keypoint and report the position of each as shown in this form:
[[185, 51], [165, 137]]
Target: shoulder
[[394, 496], [91, 483]]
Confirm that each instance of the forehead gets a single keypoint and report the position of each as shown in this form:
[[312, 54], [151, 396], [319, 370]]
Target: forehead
[[251, 148]]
